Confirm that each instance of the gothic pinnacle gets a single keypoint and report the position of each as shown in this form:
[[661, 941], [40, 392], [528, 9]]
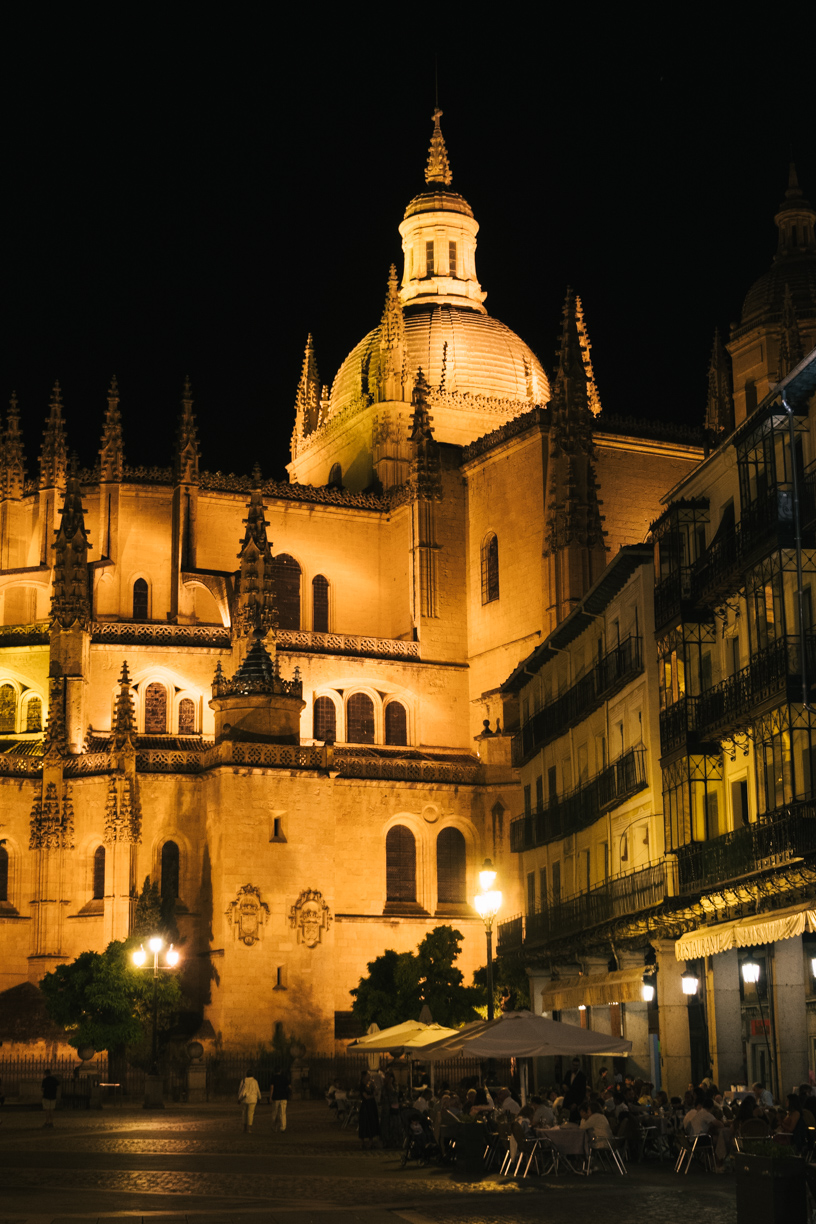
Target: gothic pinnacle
[[12, 477], [438, 168], [186, 460], [111, 452], [54, 448]]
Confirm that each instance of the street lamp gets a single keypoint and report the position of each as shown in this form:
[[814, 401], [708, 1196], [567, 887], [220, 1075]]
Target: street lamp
[[487, 904], [647, 989], [153, 1092], [750, 975], [690, 983]]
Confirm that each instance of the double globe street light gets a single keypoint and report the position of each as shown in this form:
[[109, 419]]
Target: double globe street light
[[153, 1085], [487, 904]]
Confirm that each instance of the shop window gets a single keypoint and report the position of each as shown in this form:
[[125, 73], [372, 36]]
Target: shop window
[[155, 703], [360, 719], [324, 722], [451, 867], [400, 864], [396, 723]]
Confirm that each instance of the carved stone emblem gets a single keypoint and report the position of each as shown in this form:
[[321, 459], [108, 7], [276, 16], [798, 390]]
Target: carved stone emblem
[[310, 917], [248, 913]]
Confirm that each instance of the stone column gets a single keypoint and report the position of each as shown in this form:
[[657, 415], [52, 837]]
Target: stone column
[[636, 1030], [725, 1020], [675, 1046], [790, 1017]]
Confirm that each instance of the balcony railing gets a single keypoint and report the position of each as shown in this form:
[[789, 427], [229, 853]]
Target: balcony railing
[[778, 838], [670, 594], [616, 898], [728, 704], [610, 674], [579, 808]]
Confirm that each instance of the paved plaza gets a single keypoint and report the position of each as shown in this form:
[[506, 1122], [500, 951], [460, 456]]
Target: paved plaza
[[193, 1163]]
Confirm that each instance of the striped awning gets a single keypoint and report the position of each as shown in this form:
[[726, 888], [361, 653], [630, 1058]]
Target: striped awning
[[746, 932]]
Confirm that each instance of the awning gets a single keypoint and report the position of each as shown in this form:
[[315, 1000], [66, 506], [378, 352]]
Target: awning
[[594, 990], [746, 932]]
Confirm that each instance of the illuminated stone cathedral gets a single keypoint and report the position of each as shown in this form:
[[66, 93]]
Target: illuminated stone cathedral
[[282, 701]]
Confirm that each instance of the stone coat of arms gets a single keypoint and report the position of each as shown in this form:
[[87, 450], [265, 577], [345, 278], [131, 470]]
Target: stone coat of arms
[[310, 917], [248, 913]]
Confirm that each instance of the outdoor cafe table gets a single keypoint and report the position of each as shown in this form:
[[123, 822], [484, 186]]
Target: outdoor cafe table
[[568, 1141]]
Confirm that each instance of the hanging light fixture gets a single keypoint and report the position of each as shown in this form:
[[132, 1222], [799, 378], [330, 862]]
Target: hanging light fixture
[[690, 983], [750, 971], [647, 990], [813, 965]]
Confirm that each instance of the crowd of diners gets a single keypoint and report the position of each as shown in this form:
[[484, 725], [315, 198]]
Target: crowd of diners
[[614, 1107]]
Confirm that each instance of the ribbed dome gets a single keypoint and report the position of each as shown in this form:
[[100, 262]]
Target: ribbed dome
[[763, 301], [483, 357], [439, 201]]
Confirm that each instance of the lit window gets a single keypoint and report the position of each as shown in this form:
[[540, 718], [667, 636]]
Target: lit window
[[186, 716], [34, 715], [286, 580], [155, 701], [8, 709]]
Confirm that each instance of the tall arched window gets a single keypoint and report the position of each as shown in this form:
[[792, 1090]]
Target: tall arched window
[[33, 713], [451, 868], [4, 873], [140, 600], [490, 568], [324, 723], [155, 702], [8, 709], [99, 873], [400, 864], [396, 723], [169, 872], [360, 719], [186, 716], [336, 476], [320, 604], [286, 580]]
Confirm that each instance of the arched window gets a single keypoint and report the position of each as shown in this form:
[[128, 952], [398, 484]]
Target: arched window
[[490, 569], [99, 873], [8, 709], [320, 604], [169, 872], [187, 716], [324, 723], [34, 714], [400, 864], [286, 580], [451, 863], [360, 719], [155, 715], [140, 600], [336, 476], [4, 873], [396, 723]]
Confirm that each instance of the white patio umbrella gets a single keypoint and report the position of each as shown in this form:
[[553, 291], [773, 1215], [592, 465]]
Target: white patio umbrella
[[410, 1037], [522, 1034]]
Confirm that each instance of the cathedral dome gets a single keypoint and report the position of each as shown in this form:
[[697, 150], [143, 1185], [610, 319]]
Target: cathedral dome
[[460, 351], [794, 264]]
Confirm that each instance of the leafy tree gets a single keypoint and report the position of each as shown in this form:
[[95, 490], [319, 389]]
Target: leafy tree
[[155, 914], [399, 983], [101, 999], [511, 986]]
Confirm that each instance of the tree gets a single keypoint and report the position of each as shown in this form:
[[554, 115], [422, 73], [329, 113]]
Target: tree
[[400, 983], [511, 986], [101, 999], [155, 914]]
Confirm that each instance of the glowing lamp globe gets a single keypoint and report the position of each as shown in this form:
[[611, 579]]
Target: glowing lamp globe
[[750, 972], [488, 904], [172, 956], [647, 990], [690, 983], [139, 956], [155, 943], [487, 876]]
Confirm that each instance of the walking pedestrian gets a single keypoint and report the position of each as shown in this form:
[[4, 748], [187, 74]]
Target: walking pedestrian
[[279, 1094], [249, 1094], [49, 1089]]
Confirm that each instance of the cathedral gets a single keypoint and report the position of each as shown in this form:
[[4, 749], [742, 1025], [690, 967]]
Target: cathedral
[[283, 702]]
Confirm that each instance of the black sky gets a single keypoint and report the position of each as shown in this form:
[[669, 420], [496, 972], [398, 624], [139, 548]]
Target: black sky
[[197, 198]]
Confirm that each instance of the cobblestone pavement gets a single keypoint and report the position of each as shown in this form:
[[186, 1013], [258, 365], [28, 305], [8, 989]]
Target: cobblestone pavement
[[192, 1163]]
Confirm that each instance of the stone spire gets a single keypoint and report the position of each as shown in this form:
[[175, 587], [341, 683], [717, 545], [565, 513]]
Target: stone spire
[[593, 398], [12, 479], [791, 350], [186, 459], [574, 535], [254, 606], [438, 168], [719, 417], [111, 453], [70, 599], [307, 397], [124, 719], [796, 221], [426, 466], [54, 453], [392, 342]]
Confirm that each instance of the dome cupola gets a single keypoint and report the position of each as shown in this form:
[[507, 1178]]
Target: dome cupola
[[439, 239]]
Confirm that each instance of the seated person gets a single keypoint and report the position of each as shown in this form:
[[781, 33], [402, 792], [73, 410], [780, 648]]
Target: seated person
[[525, 1117], [544, 1114], [505, 1102], [701, 1120], [793, 1123], [763, 1097], [593, 1118], [574, 1122]]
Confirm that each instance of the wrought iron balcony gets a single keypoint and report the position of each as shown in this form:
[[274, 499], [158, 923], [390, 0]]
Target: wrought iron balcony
[[776, 839], [677, 723], [618, 897], [582, 806], [671, 594], [610, 674]]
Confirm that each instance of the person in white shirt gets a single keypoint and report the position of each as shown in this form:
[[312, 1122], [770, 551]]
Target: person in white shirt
[[544, 1115], [249, 1094], [593, 1118]]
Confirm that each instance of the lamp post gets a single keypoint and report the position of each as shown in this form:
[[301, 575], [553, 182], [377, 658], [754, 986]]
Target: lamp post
[[487, 904], [153, 1087], [750, 975]]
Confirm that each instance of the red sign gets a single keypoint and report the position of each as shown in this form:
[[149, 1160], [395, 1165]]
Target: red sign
[[760, 1028]]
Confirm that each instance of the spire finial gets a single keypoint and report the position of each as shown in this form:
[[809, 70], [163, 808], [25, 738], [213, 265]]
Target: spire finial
[[593, 398], [438, 168], [111, 452], [186, 458]]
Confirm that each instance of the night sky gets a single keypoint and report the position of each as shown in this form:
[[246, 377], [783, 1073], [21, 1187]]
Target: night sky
[[197, 198]]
